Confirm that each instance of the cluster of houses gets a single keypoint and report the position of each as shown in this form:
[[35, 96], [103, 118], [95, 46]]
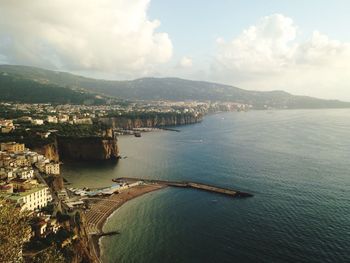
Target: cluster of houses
[[44, 225], [64, 118], [61, 118], [6, 126], [18, 176], [84, 114], [118, 187]]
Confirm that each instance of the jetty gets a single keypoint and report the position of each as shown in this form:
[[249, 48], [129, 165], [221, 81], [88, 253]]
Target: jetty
[[187, 184], [101, 207], [104, 234], [169, 129]]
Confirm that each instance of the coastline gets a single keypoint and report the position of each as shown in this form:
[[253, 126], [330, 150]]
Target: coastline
[[105, 207]]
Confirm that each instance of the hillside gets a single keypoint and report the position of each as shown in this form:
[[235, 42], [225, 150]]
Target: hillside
[[163, 88], [19, 89]]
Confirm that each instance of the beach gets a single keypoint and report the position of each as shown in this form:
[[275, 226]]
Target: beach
[[102, 207]]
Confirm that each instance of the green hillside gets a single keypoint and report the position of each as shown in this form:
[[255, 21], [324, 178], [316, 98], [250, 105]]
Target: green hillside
[[149, 89], [18, 89]]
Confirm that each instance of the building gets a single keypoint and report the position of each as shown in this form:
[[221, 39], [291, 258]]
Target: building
[[52, 168], [52, 119], [6, 173], [82, 121], [35, 157], [35, 198], [6, 126], [48, 168], [6, 188], [6, 123], [20, 185], [39, 228], [21, 160], [25, 119], [63, 118], [12, 147], [25, 173], [7, 129], [37, 122]]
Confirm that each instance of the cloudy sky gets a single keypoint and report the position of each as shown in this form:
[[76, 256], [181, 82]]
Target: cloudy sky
[[299, 46]]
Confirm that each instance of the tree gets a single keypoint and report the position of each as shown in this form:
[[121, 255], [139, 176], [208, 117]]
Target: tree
[[14, 232], [49, 255]]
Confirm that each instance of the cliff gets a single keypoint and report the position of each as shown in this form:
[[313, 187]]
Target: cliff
[[88, 148], [152, 121], [50, 151]]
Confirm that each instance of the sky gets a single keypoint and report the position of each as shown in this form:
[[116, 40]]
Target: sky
[[302, 47]]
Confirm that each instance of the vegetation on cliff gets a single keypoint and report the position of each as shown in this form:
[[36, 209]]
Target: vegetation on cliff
[[97, 129], [30, 138], [14, 228]]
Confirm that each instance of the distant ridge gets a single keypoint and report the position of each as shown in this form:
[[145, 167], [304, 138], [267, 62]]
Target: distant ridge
[[157, 89]]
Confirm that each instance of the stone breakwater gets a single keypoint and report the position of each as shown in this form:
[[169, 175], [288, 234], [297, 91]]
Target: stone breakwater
[[187, 184]]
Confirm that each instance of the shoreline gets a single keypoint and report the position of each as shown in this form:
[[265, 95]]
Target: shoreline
[[103, 208]]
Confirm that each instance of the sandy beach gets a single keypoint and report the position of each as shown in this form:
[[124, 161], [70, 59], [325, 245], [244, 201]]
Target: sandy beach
[[102, 207]]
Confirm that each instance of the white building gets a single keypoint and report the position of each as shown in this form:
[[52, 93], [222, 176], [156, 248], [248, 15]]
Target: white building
[[25, 173], [32, 199]]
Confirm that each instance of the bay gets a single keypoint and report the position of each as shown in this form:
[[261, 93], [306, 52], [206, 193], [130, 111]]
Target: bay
[[295, 162]]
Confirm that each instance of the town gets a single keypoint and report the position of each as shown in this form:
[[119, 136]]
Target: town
[[32, 183], [30, 174], [39, 114], [38, 124]]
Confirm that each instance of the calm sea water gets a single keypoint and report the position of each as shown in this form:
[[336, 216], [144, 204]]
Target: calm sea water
[[296, 163]]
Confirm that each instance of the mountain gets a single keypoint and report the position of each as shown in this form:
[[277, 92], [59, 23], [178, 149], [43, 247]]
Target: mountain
[[19, 89], [162, 88]]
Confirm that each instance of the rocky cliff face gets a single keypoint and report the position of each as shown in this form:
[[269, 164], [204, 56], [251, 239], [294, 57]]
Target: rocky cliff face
[[50, 151], [156, 121], [88, 148]]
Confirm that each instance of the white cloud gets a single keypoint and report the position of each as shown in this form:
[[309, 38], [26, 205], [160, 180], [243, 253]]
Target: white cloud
[[185, 62], [268, 56], [94, 35]]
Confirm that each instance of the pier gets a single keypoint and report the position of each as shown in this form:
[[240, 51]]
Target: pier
[[101, 207], [187, 184]]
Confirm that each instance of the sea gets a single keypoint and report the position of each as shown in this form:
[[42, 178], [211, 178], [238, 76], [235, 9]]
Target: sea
[[295, 162]]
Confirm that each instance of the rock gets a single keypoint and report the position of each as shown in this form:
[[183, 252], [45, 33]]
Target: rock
[[156, 121], [88, 148]]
